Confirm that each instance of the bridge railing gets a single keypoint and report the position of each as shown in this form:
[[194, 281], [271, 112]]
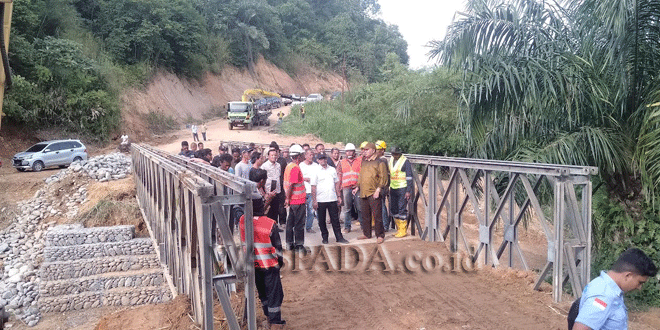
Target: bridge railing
[[502, 194], [187, 207]]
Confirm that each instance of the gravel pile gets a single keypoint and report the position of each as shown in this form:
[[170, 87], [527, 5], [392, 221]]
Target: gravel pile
[[22, 242], [102, 168]]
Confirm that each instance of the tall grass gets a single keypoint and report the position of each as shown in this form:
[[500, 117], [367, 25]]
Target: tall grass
[[327, 121]]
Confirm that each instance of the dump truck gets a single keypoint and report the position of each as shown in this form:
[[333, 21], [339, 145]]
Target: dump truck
[[244, 114]]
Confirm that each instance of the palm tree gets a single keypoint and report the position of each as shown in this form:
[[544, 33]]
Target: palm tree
[[561, 83]]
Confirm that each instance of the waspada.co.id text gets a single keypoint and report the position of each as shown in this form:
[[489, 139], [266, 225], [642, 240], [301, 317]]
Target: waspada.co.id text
[[366, 258]]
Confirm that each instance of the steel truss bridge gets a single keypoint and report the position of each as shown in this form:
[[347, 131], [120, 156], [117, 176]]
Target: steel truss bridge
[[187, 208]]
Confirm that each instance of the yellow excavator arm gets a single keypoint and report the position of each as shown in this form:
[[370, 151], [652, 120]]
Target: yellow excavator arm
[[5, 73], [252, 94], [249, 95]]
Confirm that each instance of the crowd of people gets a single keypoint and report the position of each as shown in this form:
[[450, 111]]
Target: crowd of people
[[301, 184]]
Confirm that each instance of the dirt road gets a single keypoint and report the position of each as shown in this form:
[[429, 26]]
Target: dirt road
[[219, 131]]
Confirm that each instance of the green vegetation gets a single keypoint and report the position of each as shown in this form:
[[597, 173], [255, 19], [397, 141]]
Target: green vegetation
[[72, 59], [159, 122], [616, 227], [414, 110], [572, 85]]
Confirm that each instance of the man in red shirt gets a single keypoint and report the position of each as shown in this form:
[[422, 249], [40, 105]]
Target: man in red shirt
[[295, 200]]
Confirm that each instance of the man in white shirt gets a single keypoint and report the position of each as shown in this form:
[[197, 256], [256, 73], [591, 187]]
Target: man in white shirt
[[328, 197], [273, 169], [243, 167], [309, 169], [193, 129]]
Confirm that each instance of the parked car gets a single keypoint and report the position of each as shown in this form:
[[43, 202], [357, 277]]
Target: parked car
[[50, 153], [314, 97], [301, 100]]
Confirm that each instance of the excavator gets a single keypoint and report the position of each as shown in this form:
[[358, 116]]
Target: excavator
[[6, 6], [246, 113]]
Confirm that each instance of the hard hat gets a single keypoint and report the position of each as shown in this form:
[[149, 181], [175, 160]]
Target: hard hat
[[380, 144], [295, 150], [349, 146], [364, 144]]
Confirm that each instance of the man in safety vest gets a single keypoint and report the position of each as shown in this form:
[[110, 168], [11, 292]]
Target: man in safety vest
[[295, 200], [348, 170], [401, 189], [267, 262]]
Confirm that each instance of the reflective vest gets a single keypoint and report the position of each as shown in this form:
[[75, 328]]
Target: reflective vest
[[350, 172], [297, 189], [397, 177], [265, 254]]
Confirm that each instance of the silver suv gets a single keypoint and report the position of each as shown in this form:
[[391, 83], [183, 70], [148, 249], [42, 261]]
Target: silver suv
[[50, 153]]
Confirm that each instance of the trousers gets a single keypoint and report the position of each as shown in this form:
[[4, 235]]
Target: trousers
[[333, 210], [295, 226], [269, 288], [372, 207]]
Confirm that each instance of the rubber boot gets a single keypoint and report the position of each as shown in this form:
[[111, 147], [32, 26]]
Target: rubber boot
[[402, 228]]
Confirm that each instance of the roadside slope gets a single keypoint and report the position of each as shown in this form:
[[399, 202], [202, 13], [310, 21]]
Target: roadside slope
[[183, 99]]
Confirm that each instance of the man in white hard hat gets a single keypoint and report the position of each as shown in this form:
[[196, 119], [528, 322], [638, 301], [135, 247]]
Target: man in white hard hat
[[348, 170], [295, 199]]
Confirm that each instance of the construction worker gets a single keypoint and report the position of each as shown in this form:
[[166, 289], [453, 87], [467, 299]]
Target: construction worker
[[401, 189], [267, 262], [602, 305], [280, 117], [371, 182], [348, 170], [295, 199], [363, 146], [380, 154]]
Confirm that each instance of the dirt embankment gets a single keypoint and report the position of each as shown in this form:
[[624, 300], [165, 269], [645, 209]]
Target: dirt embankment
[[183, 99]]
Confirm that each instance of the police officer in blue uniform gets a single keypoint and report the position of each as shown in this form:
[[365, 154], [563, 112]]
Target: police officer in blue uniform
[[602, 305]]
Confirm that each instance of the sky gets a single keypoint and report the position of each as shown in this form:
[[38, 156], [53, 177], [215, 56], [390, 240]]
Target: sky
[[420, 21]]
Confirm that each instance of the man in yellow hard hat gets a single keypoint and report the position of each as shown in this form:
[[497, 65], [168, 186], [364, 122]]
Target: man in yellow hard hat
[[401, 189], [380, 154], [371, 181], [363, 148]]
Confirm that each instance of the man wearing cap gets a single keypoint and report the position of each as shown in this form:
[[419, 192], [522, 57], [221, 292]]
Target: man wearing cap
[[295, 199], [380, 154], [328, 198], [401, 189], [371, 183], [348, 170]]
